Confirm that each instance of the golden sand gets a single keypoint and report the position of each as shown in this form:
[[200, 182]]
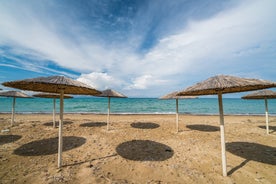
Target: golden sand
[[137, 149]]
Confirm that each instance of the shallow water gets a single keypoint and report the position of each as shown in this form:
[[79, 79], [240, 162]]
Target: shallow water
[[140, 105]]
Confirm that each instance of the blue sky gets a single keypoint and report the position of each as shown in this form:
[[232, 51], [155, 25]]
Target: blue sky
[[142, 48]]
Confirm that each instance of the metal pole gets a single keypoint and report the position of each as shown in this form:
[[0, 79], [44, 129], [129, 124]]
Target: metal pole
[[176, 103], [223, 155], [108, 112], [60, 141], [13, 110], [54, 113], [266, 116]]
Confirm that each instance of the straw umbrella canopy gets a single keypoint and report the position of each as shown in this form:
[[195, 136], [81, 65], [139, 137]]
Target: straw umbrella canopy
[[53, 96], [263, 94], [219, 85], [55, 84], [173, 95], [14, 95], [109, 93]]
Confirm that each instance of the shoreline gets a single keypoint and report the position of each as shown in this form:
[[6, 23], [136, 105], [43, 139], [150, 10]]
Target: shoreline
[[157, 113]]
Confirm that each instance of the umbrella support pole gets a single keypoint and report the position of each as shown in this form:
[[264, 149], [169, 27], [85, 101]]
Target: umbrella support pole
[[60, 141], [266, 117], [108, 113], [177, 118], [223, 155], [13, 110], [54, 113]]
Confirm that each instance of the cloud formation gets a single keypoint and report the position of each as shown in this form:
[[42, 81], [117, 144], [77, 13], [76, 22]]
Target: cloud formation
[[144, 46], [100, 81]]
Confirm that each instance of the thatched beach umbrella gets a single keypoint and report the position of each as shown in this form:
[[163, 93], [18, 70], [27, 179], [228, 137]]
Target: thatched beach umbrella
[[219, 85], [114, 94], [53, 96], [263, 94], [14, 95], [173, 95], [55, 84]]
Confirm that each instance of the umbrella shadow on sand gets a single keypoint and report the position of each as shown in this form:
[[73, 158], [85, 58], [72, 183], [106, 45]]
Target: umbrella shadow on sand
[[204, 128], [57, 123], [93, 124], [144, 125], [49, 146], [251, 151], [4, 139], [271, 128], [144, 150]]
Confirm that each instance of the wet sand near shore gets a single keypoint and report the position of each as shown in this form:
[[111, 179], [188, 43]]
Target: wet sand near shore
[[136, 149]]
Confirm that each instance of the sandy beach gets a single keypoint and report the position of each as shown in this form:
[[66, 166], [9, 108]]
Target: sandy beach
[[137, 149]]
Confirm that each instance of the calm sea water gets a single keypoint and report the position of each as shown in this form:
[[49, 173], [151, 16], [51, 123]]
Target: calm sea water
[[139, 105]]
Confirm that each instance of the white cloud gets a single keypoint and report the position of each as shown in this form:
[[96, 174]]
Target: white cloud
[[33, 66], [202, 44], [27, 32], [145, 82], [100, 81], [141, 82], [234, 37]]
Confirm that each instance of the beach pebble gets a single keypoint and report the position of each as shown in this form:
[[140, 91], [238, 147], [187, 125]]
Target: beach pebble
[[4, 159], [5, 130]]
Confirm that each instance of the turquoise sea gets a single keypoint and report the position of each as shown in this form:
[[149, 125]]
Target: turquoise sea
[[139, 105]]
